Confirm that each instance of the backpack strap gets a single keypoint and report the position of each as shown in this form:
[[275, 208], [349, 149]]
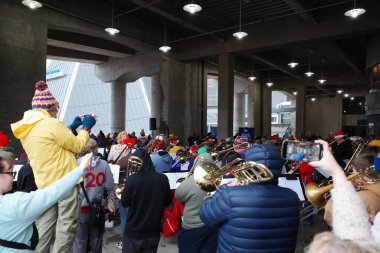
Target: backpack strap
[[17, 245]]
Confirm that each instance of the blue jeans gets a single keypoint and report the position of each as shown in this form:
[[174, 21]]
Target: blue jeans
[[123, 211]]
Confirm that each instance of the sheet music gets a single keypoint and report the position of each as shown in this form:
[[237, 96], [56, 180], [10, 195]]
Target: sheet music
[[115, 169], [173, 177], [294, 185]]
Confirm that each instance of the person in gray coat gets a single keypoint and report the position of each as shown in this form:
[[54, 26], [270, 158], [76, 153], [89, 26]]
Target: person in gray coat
[[97, 181]]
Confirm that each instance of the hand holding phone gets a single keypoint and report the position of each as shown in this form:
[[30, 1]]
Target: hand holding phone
[[301, 151]]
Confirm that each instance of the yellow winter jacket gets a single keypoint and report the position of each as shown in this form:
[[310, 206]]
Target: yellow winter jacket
[[50, 145]]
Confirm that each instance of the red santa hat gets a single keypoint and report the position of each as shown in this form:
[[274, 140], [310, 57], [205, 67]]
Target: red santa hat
[[194, 149], [159, 144], [339, 134], [4, 140], [173, 140]]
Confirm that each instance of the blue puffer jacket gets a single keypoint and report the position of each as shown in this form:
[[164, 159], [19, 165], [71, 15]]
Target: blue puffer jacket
[[260, 218]]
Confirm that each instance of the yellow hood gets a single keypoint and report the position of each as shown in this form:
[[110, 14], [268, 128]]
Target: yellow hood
[[32, 117]]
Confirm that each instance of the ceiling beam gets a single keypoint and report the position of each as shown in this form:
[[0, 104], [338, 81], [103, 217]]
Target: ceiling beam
[[297, 7], [342, 55], [174, 18], [283, 32], [58, 53], [273, 65]]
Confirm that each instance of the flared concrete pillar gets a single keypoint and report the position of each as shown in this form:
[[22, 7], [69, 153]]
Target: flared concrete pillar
[[225, 98], [118, 107], [300, 109], [156, 101], [257, 109], [239, 111], [251, 106], [266, 111]]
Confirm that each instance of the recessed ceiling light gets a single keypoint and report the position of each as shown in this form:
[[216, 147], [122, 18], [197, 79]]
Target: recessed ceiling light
[[321, 81], [32, 4], [165, 49], [309, 73], [270, 84], [112, 30], [293, 64], [192, 8], [252, 78], [339, 91]]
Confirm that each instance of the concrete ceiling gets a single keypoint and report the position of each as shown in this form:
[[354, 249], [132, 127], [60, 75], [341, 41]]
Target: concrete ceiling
[[314, 31]]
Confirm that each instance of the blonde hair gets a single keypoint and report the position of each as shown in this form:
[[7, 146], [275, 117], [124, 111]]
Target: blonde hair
[[90, 146], [327, 242], [121, 136]]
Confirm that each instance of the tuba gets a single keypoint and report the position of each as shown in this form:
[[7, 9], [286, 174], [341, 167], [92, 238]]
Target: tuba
[[135, 165], [209, 177], [316, 194]]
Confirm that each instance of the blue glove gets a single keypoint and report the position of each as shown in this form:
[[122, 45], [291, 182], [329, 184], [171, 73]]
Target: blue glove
[[76, 123], [88, 121]]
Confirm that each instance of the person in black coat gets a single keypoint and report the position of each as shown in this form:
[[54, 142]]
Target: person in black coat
[[146, 193]]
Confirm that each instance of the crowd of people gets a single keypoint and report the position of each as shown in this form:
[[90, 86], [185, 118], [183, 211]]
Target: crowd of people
[[66, 190]]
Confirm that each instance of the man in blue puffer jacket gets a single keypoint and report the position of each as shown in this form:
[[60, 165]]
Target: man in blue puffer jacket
[[256, 217]]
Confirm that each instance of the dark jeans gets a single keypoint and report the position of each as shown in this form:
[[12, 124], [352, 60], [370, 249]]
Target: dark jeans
[[198, 240], [140, 245]]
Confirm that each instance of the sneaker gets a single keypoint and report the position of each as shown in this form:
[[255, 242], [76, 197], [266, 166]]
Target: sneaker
[[119, 245]]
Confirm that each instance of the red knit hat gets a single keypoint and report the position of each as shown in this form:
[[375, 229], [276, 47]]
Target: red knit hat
[[339, 134], [43, 99], [194, 149], [158, 144], [4, 140], [173, 140]]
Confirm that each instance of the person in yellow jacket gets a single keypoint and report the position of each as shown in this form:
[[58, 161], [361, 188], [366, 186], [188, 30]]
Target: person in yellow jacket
[[51, 148]]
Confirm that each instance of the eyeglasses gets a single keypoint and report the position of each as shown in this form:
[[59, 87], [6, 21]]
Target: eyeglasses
[[9, 173]]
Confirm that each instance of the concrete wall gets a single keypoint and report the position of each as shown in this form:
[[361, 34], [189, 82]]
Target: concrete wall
[[22, 62], [323, 115]]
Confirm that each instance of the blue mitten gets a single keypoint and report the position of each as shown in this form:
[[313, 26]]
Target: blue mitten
[[88, 121], [76, 123]]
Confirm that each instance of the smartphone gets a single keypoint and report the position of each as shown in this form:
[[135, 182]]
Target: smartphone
[[301, 151]]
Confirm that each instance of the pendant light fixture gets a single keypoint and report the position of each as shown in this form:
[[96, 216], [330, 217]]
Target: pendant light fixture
[[339, 91], [252, 77], [240, 34], [165, 48], [321, 80], [309, 73], [32, 4], [355, 12], [293, 64], [192, 8], [295, 93], [313, 99], [112, 30], [269, 83]]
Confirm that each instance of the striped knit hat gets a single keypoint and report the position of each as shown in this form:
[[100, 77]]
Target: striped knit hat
[[43, 99]]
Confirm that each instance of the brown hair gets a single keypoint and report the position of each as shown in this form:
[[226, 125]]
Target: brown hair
[[364, 160], [5, 160]]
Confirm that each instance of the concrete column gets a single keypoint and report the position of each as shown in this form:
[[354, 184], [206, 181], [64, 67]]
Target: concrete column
[[156, 101], [266, 111], [251, 106], [239, 111], [300, 109], [22, 62], [118, 107], [225, 97], [257, 109]]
